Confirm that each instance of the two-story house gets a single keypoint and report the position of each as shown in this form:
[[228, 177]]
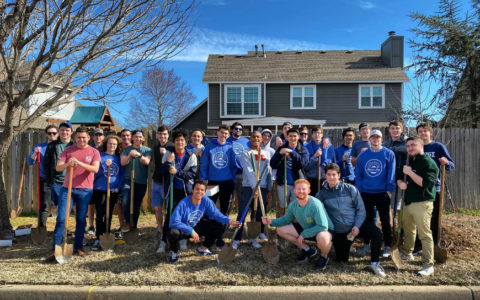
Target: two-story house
[[329, 88]]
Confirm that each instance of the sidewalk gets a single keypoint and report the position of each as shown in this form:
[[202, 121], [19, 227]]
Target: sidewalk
[[240, 292]]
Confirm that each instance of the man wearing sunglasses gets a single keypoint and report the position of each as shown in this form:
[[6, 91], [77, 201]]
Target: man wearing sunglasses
[[52, 132]]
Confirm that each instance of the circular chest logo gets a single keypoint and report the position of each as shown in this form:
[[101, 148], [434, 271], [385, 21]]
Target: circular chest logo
[[373, 167], [114, 169], [237, 148], [219, 160], [194, 217]]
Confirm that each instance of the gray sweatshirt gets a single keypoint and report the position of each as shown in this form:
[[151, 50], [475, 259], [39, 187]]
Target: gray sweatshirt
[[248, 176]]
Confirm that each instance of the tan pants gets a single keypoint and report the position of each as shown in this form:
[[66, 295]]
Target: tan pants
[[416, 217]]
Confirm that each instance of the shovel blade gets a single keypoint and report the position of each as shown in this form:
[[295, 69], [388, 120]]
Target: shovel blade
[[270, 253], [107, 240], [253, 229], [397, 260], [131, 237], [39, 235], [63, 253], [15, 213], [227, 255], [440, 254]]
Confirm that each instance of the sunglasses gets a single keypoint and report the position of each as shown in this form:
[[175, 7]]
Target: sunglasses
[[303, 133], [238, 128], [51, 133], [98, 133]]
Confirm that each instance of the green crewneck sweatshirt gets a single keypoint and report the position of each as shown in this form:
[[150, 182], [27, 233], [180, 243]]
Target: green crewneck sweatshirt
[[425, 167]]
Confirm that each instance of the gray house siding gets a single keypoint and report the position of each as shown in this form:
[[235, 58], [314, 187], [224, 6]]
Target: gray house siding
[[336, 103], [196, 120], [214, 104]]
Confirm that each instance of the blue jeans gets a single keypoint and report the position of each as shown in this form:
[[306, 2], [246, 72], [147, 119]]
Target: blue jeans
[[245, 195], [81, 198], [56, 193], [139, 190]]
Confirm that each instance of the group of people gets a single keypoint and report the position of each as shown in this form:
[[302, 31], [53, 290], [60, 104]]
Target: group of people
[[324, 194]]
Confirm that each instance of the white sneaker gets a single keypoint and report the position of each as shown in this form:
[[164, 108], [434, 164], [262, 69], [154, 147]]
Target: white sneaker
[[408, 257], [254, 244], [263, 237], [364, 250], [235, 244], [426, 271], [183, 245], [161, 247], [353, 250], [377, 269], [386, 252]]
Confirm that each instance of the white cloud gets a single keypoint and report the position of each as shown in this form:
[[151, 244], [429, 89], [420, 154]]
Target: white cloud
[[366, 4], [214, 2], [206, 41]]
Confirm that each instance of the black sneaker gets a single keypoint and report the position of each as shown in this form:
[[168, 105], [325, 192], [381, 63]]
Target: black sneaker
[[91, 230], [305, 255], [417, 251], [321, 263], [220, 243], [173, 257]]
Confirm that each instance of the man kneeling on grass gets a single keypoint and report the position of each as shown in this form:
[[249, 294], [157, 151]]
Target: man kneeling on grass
[[313, 224], [345, 208], [187, 221]]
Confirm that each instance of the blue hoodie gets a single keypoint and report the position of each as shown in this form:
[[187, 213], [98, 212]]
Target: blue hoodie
[[357, 147], [375, 171], [328, 156], [347, 171], [218, 162], [116, 173], [31, 161], [186, 215], [238, 145], [436, 150]]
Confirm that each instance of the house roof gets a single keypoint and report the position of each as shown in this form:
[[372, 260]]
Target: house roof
[[204, 102], [88, 115], [302, 66]]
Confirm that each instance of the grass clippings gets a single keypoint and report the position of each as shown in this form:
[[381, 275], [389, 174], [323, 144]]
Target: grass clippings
[[135, 265]]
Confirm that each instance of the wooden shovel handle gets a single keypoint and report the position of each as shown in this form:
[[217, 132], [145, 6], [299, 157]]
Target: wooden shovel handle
[[132, 183], [69, 199], [38, 181], [108, 200], [440, 206], [20, 187]]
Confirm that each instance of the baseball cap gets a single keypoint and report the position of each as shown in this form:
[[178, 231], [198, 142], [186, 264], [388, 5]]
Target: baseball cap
[[98, 131], [66, 124], [375, 132]]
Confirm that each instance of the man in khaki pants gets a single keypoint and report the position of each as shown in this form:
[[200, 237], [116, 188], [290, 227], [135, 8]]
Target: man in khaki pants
[[422, 173]]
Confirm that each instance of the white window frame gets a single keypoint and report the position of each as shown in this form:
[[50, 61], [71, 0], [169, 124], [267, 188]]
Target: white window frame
[[242, 86], [314, 87], [371, 86]]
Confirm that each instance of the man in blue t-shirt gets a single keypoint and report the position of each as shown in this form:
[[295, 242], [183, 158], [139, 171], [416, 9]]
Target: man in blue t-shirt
[[363, 144], [187, 221], [343, 154]]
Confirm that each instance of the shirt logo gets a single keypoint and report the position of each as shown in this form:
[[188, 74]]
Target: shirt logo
[[373, 167], [309, 220], [194, 217], [88, 158], [219, 160], [113, 169], [431, 154], [237, 148]]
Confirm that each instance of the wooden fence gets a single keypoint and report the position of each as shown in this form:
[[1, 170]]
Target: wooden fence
[[463, 182]]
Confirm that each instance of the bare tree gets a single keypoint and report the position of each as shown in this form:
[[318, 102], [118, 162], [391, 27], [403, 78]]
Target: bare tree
[[78, 47], [163, 98]]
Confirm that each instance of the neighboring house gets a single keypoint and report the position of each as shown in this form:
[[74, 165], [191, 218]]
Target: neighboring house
[[328, 88], [95, 117]]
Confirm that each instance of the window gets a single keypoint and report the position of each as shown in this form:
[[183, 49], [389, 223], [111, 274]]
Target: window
[[242, 100], [303, 97], [371, 96]]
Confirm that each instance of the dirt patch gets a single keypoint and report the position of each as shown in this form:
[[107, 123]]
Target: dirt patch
[[140, 265]]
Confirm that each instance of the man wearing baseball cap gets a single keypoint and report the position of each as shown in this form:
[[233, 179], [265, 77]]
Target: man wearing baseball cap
[[375, 179]]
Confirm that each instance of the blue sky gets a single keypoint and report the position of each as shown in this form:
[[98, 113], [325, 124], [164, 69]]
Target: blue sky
[[235, 26]]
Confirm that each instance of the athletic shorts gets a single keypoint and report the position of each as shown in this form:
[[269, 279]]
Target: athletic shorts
[[157, 194]]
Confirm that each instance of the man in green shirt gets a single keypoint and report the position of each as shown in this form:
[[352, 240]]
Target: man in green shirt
[[422, 174], [313, 224], [142, 156]]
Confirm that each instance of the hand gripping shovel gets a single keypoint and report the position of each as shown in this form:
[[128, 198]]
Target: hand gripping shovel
[[63, 253], [16, 212], [227, 254], [131, 236], [107, 239], [439, 253], [397, 260], [39, 234], [254, 227]]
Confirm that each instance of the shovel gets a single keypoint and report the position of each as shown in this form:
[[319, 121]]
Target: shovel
[[107, 239], [39, 234], [63, 253], [16, 212], [227, 254], [254, 227], [397, 260], [439, 253], [131, 236]]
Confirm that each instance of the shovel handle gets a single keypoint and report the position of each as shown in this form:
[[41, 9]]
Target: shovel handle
[[171, 195], [108, 199], [20, 187], [69, 199], [440, 207], [285, 191], [132, 183], [251, 197], [38, 181], [319, 173]]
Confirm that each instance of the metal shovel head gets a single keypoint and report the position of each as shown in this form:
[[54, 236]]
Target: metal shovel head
[[63, 253], [440, 254], [270, 253], [131, 237], [39, 235], [15, 213], [227, 255], [107, 240], [397, 260], [253, 229]]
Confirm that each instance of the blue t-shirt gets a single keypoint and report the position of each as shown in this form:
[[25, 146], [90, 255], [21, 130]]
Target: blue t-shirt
[[31, 161], [290, 180], [437, 150], [116, 173], [347, 171], [177, 182], [357, 147]]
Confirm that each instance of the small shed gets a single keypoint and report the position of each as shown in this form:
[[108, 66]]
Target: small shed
[[94, 117]]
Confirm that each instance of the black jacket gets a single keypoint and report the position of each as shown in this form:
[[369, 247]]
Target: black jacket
[[399, 148], [157, 158], [50, 160]]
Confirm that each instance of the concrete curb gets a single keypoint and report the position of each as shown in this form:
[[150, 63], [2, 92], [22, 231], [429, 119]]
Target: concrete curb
[[239, 292]]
